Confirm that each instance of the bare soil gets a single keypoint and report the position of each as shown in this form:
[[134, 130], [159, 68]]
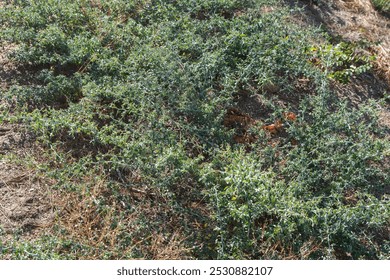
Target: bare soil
[[25, 196]]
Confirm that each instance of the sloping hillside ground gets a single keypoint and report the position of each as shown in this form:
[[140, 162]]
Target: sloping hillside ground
[[194, 130], [354, 21]]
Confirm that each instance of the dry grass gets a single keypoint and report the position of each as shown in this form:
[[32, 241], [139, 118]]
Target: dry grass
[[84, 222], [279, 250], [172, 248], [94, 217], [358, 6], [382, 62]]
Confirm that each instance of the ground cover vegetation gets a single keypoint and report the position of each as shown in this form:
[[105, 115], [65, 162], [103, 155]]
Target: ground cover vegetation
[[137, 105], [382, 5]]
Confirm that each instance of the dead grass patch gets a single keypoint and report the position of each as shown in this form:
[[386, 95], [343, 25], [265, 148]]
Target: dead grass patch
[[100, 221]]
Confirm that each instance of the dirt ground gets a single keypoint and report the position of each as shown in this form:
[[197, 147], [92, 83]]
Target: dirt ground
[[25, 197]]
